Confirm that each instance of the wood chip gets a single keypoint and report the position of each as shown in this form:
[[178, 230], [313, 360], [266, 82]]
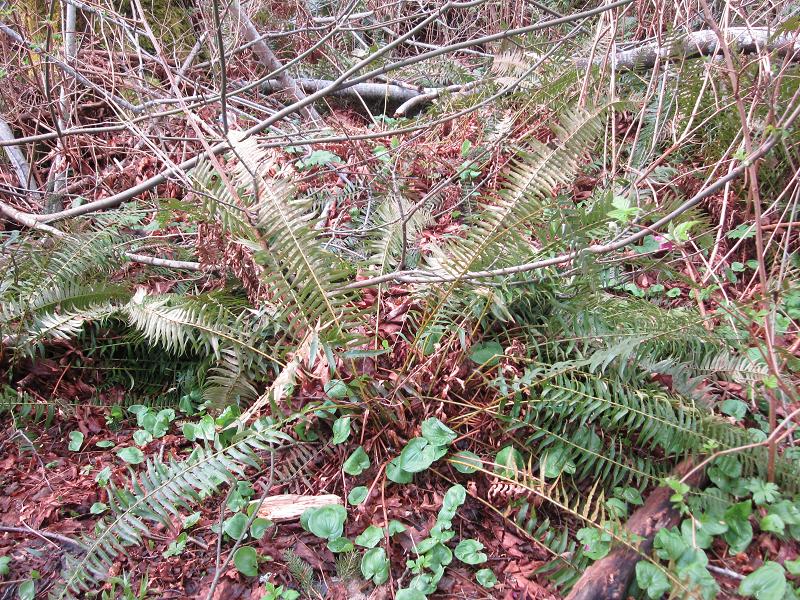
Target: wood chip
[[288, 507]]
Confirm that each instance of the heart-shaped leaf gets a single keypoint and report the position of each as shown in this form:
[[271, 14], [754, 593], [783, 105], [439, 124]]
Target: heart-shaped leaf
[[375, 566], [327, 522], [235, 525], [246, 561], [75, 441], [417, 456], [508, 462], [768, 582], [370, 537], [487, 353], [357, 463], [466, 461], [341, 430], [131, 455], [340, 545], [486, 578], [469, 552], [437, 433], [357, 495], [652, 579]]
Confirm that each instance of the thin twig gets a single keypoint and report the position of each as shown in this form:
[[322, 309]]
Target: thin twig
[[49, 535]]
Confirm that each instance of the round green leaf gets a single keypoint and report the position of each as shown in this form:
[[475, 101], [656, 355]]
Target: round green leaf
[[142, 437], [652, 579], [5, 561], [75, 441], [466, 461], [341, 430], [336, 388], [469, 552], [104, 444], [235, 525], [734, 408], [370, 537], [396, 527], [375, 566], [437, 433], [98, 508], [766, 583], [327, 522], [486, 578], [131, 455], [793, 566], [357, 495], [487, 353], [341, 544], [26, 590], [555, 462], [508, 462], [191, 520], [772, 523], [103, 476], [596, 543], [417, 456], [357, 463], [246, 561], [259, 527], [395, 473], [630, 495], [439, 555]]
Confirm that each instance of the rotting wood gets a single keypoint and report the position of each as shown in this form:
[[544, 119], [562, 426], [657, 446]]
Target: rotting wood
[[288, 507], [609, 577]]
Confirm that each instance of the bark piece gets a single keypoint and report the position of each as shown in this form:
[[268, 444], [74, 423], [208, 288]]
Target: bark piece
[[288, 507]]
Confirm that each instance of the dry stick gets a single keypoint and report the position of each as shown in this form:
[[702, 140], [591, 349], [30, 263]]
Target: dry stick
[[646, 56], [75, 545], [223, 68], [609, 577], [197, 101], [17, 159], [269, 60]]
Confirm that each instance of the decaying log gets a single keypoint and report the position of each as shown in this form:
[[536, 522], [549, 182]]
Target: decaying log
[[609, 577], [288, 507]]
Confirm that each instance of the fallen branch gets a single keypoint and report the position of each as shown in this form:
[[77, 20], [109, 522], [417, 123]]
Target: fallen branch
[[641, 57], [17, 159], [289, 507], [270, 61], [57, 537], [609, 577], [747, 40]]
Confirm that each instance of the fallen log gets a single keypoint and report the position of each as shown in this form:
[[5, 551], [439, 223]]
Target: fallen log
[[609, 577]]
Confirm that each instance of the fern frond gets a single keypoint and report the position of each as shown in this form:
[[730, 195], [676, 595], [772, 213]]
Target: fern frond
[[391, 227], [496, 236], [181, 324], [305, 281], [160, 492]]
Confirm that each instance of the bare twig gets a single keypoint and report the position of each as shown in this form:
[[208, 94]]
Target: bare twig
[[69, 542]]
